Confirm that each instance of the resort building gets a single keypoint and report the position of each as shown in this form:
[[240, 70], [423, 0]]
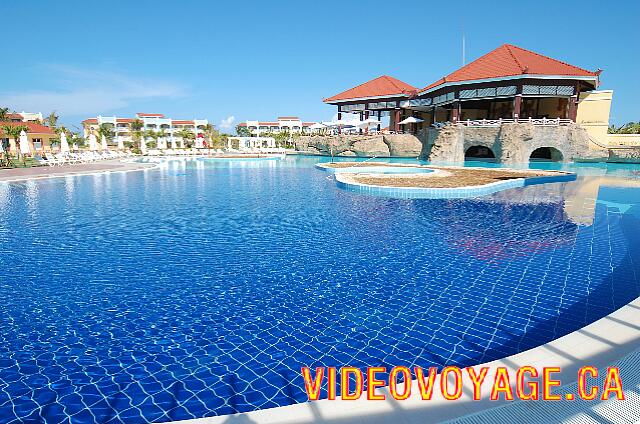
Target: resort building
[[508, 84], [156, 122], [26, 117], [39, 135], [291, 124]]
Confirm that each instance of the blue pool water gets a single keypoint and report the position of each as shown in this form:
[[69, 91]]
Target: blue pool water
[[378, 170], [201, 288]]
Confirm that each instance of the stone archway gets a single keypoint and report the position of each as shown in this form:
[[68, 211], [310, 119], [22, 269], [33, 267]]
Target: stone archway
[[479, 152], [546, 153]]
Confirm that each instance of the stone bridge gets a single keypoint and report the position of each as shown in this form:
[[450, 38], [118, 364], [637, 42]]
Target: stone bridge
[[509, 143]]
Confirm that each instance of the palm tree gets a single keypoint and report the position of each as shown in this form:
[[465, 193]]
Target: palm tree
[[136, 130], [628, 128], [185, 135], [631, 128], [75, 138], [242, 131], [105, 130], [213, 135], [13, 131], [161, 133], [52, 120], [153, 134], [4, 114], [136, 125]]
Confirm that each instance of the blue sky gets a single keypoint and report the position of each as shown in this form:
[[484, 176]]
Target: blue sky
[[232, 61]]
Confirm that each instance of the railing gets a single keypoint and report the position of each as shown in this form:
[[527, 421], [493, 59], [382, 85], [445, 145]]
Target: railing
[[499, 122], [614, 146], [623, 141]]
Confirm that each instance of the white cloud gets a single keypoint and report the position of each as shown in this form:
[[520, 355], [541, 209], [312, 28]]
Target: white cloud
[[82, 91], [227, 123]]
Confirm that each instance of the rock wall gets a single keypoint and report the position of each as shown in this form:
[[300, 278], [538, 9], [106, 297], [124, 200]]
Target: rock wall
[[511, 143], [625, 155], [405, 145]]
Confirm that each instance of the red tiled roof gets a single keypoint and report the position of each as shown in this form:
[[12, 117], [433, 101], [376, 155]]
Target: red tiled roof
[[288, 118], [14, 117], [181, 122], [33, 127], [125, 120], [90, 121], [378, 87], [509, 60]]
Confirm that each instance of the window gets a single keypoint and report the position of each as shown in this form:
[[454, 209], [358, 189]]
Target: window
[[443, 98], [548, 90]]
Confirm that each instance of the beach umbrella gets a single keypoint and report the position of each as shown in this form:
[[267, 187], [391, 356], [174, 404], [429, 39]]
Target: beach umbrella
[[158, 143], [93, 142], [174, 145], [120, 143], [64, 144], [200, 142], [75, 146], [24, 143], [368, 122], [317, 126], [339, 123], [104, 143], [410, 120], [143, 146]]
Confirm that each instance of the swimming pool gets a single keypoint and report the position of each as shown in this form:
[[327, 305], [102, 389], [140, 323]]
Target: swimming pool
[[377, 170], [201, 287]]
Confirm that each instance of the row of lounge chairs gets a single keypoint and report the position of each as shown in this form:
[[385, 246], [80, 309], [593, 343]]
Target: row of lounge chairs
[[77, 158], [212, 152], [184, 152]]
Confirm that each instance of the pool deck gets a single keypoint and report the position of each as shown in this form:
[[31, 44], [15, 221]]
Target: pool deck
[[43, 172], [441, 177], [435, 182], [614, 339]]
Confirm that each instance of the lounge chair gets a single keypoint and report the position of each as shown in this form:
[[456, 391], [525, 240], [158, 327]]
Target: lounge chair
[[44, 161]]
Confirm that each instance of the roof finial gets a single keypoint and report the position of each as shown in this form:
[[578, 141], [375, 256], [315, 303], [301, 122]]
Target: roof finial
[[464, 61]]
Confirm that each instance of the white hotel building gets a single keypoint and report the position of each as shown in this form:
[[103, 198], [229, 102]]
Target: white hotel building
[[291, 124], [151, 122]]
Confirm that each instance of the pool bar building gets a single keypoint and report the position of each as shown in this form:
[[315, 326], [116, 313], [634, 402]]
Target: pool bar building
[[508, 84]]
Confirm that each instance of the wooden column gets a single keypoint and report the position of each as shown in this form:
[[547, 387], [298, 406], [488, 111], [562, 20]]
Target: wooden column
[[379, 118], [366, 116], [573, 108], [433, 114], [455, 112], [396, 119], [339, 118], [517, 105]]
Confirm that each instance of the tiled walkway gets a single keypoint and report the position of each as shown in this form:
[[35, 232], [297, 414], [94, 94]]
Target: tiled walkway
[[20, 174]]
